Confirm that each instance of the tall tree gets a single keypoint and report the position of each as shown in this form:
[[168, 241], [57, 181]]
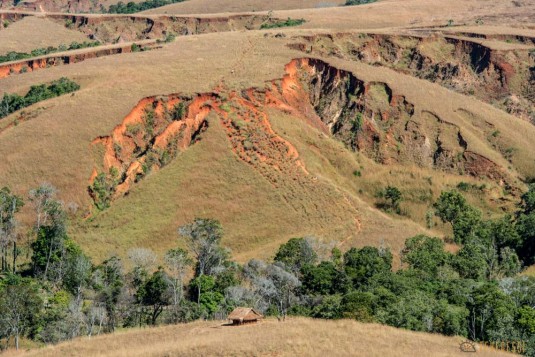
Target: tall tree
[[154, 293], [203, 237], [19, 308], [41, 198], [177, 262], [10, 204], [108, 280], [295, 254]]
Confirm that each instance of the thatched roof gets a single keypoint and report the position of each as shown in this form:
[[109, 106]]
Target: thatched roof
[[244, 314]]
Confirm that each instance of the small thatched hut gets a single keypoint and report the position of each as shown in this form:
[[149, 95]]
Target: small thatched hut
[[243, 315]]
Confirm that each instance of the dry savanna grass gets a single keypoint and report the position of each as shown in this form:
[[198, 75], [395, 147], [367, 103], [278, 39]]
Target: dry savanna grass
[[33, 32], [294, 337], [381, 14], [209, 180], [222, 6]]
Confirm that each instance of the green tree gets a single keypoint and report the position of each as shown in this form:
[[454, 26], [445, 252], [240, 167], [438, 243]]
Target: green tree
[[450, 205], [155, 293], [295, 254], [108, 281], [358, 305], [393, 196], [329, 308], [20, 305], [203, 237], [361, 264], [323, 279], [209, 299], [488, 306], [526, 226], [526, 319], [425, 254], [10, 205]]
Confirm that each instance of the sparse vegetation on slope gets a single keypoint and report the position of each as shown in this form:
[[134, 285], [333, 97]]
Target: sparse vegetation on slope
[[288, 23], [15, 56], [132, 7], [12, 102], [358, 2]]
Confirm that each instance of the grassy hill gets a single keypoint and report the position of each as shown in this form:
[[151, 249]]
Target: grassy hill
[[209, 179], [295, 337]]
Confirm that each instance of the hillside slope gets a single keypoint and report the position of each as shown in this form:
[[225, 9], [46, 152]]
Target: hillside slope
[[288, 132], [295, 337], [212, 179]]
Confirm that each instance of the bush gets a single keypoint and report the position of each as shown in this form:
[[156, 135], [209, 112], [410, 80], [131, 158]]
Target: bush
[[12, 102], [358, 2], [16, 56], [287, 23], [132, 7]]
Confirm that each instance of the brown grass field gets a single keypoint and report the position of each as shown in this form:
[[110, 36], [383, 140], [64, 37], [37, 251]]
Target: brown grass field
[[33, 32], [317, 187], [208, 179], [294, 337], [210, 7]]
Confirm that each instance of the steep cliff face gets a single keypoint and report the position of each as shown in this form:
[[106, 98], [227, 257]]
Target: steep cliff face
[[370, 118], [366, 116], [500, 77]]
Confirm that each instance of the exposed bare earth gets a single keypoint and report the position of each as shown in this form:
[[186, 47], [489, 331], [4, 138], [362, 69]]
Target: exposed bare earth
[[295, 337]]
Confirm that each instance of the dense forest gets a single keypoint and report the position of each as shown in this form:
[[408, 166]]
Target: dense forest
[[51, 291]]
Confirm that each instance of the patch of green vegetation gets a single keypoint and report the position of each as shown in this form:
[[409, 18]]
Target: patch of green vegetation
[[103, 188], [149, 122], [131, 7], [133, 129], [12, 102], [289, 22], [15, 56], [392, 198], [358, 2], [465, 186], [225, 107], [179, 111]]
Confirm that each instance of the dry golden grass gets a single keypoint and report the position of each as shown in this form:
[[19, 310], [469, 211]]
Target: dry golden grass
[[295, 337], [208, 180], [33, 32], [382, 14], [222, 6]]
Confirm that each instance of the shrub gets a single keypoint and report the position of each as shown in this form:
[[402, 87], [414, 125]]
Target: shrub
[[131, 7], [179, 111], [287, 23], [16, 56], [358, 2]]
